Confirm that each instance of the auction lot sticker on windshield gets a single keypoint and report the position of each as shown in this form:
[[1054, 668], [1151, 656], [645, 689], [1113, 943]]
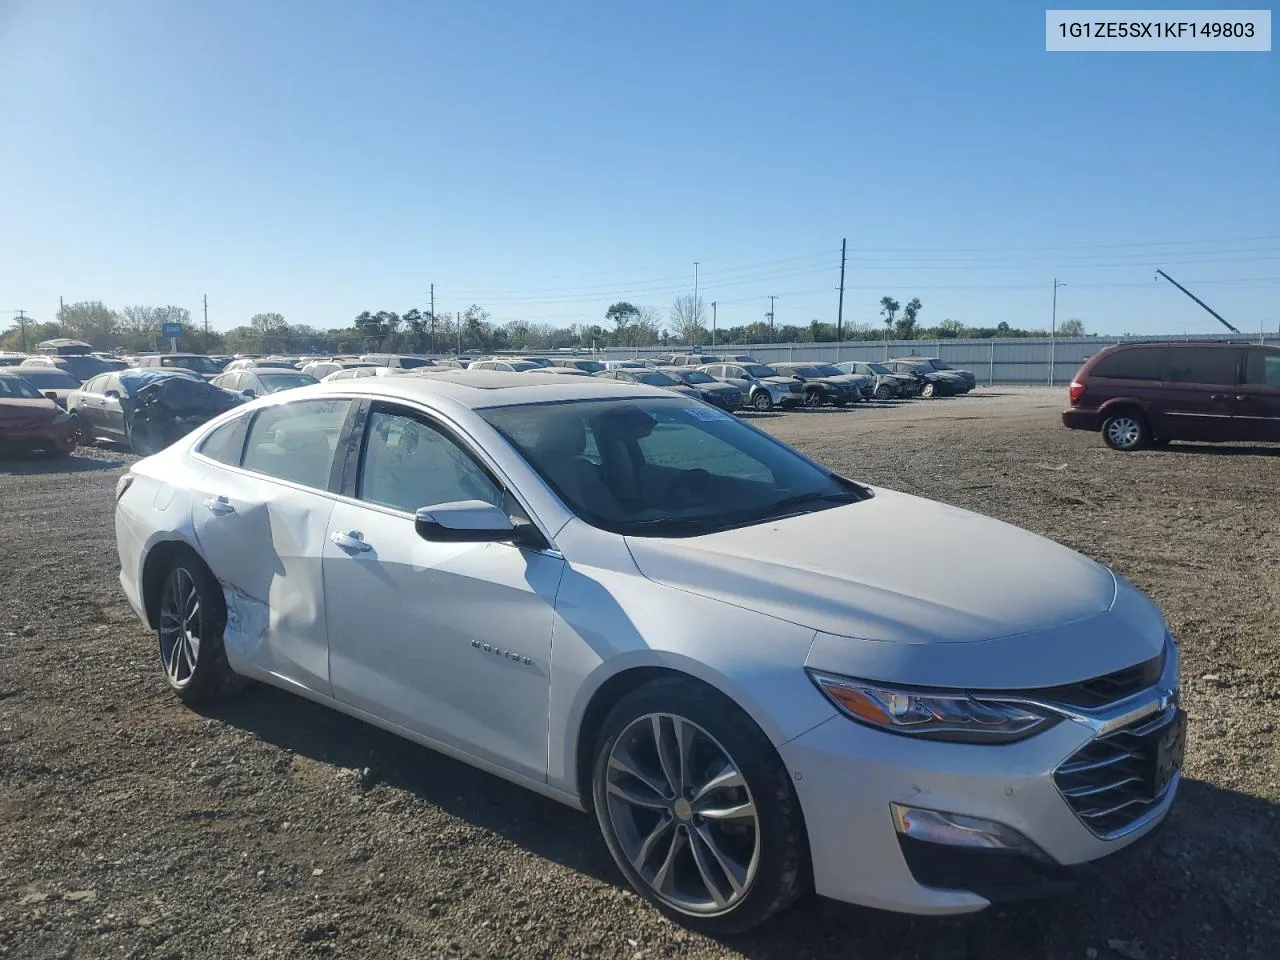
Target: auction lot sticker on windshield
[[707, 413], [1166, 31]]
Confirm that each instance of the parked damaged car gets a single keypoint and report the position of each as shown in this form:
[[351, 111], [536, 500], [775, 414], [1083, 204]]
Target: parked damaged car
[[30, 421], [146, 409]]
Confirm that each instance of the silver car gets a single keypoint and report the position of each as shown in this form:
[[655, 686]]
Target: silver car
[[763, 387], [642, 606]]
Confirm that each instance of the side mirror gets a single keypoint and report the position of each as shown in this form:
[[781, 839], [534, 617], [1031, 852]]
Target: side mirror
[[248, 392], [51, 395], [470, 521], [112, 394]]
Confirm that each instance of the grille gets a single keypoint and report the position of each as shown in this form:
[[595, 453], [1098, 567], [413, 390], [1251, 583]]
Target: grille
[[1110, 782], [1105, 690]]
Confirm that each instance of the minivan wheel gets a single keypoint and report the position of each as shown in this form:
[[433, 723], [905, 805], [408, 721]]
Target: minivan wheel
[[1126, 431], [697, 809], [762, 401], [192, 618], [926, 391]]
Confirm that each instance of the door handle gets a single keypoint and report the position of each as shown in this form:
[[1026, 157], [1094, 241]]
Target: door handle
[[219, 506], [1219, 396], [1244, 396], [352, 540]]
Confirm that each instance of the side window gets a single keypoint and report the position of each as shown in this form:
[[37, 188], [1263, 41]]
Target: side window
[[1263, 368], [296, 441], [408, 464], [1201, 365], [226, 443], [1140, 363], [112, 382], [94, 385], [735, 372]]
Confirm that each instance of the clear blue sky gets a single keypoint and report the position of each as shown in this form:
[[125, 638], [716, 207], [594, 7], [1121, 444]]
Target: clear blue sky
[[322, 158]]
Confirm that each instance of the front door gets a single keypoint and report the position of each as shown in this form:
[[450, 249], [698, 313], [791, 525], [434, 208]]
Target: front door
[[1257, 411], [449, 640], [111, 411], [1197, 401]]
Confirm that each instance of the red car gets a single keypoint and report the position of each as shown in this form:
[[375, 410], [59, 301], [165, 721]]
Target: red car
[[30, 421], [1138, 394]]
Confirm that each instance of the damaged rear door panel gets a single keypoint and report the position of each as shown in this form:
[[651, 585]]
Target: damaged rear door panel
[[262, 530]]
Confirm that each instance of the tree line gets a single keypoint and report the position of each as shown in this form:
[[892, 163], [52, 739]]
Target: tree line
[[685, 324]]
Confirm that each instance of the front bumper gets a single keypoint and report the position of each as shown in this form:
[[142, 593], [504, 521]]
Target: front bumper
[[847, 776]]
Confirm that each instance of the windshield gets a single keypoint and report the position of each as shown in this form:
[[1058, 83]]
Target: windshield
[[591, 366], [938, 365], [810, 372], [829, 370], [538, 361], [17, 388], [194, 364], [520, 366], [652, 377], [879, 368], [49, 379], [665, 467], [695, 376], [272, 382], [82, 367], [760, 370], [412, 363]]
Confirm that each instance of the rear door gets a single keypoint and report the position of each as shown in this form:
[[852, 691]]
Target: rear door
[[1198, 399], [111, 410], [88, 404], [261, 527], [1257, 402]]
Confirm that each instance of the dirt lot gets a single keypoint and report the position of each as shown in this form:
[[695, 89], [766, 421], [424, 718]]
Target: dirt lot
[[131, 826]]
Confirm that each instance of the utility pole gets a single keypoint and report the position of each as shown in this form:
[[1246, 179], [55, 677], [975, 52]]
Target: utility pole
[[458, 324], [713, 323], [61, 308], [1053, 327], [694, 312], [433, 318], [840, 305], [22, 326], [205, 300], [770, 316]]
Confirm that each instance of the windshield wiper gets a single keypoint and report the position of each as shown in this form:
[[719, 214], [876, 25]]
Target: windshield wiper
[[790, 504]]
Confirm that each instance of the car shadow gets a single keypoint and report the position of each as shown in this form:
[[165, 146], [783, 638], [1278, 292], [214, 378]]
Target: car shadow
[[1224, 450], [1210, 868], [36, 463]]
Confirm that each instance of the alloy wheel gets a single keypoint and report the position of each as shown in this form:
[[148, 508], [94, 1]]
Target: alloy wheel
[[683, 814], [180, 624], [1123, 432]]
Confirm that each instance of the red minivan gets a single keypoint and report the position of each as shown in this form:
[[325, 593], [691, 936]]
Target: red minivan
[[1138, 394]]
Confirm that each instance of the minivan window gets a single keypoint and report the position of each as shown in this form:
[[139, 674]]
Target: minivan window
[[1137, 363], [1263, 368], [1201, 365], [296, 441]]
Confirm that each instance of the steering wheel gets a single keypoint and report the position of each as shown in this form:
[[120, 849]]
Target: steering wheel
[[692, 483]]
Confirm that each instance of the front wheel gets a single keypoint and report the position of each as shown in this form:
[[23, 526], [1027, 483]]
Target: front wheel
[[697, 809], [927, 391], [883, 392], [80, 430], [762, 401], [1126, 431], [192, 618], [812, 398]]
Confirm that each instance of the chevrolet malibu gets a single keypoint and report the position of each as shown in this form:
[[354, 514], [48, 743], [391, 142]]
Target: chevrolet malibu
[[643, 607]]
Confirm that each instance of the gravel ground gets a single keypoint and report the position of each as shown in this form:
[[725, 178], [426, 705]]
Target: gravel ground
[[131, 826]]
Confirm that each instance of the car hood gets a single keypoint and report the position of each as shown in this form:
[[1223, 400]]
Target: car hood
[[973, 584], [713, 387], [19, 414], [778, 381]]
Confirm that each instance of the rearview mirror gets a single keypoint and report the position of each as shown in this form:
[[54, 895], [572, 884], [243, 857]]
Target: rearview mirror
[[469, 521]]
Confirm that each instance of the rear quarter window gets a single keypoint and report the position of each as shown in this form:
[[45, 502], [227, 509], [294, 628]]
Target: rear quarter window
[[226, 443], [1137, 363], [296, 441]]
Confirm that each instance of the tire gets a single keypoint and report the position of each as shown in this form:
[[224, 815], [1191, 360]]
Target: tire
[[191, 608], [927, 391], [763, 846], [762, 401], [883, 392], [812, 398], [1126, 431], [140, 443], [84, 436]]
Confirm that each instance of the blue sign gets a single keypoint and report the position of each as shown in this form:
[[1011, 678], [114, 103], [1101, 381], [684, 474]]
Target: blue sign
[[171, 329]]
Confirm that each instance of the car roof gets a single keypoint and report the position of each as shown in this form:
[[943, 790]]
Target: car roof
[[273, 371], [478, 389]]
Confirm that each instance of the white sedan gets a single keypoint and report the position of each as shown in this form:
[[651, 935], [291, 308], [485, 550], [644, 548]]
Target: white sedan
[[642, 606]]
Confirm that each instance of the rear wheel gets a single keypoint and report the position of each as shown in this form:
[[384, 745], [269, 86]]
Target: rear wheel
[[762, 401], [883, 392], [697, 809], [81, 431], [926, 391], [1126, 431], [192, 619]]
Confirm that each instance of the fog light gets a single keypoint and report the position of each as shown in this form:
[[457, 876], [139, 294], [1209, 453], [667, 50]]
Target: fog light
[[958, 830]]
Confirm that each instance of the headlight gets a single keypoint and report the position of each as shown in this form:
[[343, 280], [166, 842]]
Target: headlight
[[933, 715], [61, 418]]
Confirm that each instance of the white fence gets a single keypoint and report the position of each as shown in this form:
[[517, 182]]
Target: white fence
[[1030, 360]]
